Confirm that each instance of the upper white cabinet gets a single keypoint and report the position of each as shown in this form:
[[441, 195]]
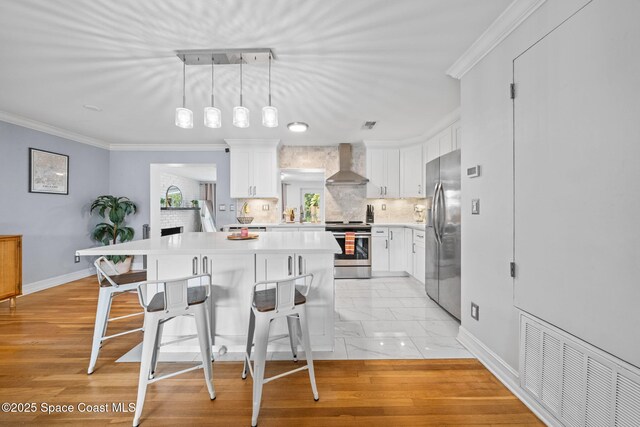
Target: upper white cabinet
[[411, 172], [445, 142], [383, 171], [253, 168]]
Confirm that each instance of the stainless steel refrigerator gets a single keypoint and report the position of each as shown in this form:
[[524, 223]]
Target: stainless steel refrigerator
[[442, 281]]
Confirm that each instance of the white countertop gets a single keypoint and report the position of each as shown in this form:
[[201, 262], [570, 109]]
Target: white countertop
[[217, 243], [421, 226], [278, 225]]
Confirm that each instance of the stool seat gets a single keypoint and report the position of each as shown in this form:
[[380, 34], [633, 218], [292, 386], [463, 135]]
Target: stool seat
[[125, 278], [265, 300], [195, 295]]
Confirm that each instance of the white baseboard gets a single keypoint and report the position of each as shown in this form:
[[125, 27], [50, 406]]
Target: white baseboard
[[41, 285], [505, 373]]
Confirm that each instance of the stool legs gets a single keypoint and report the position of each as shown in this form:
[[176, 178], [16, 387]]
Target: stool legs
[[156, 353], [307, 350], [100, 328], [148, 348], [262, 339], [252, 326], [292, 324], [205, 346]]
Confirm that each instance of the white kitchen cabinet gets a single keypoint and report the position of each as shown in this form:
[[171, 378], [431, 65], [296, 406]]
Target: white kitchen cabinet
[[419, 255], [412, 171], [282, 229], [379, 253], [383, 171], [456, 130], [408, 250], [397, 255], [253, 169], [445, 141]]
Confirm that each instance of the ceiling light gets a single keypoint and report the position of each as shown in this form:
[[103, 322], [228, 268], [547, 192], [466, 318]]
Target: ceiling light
[[184, 116], [241, 114], [92, 107], [270, 113], [298, 127], [212, 115]]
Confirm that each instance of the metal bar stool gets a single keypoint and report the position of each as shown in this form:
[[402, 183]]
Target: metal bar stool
[[176, 298], [278, 298], [111, 286]]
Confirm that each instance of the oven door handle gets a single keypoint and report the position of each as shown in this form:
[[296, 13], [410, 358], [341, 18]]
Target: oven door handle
[[357, 234]]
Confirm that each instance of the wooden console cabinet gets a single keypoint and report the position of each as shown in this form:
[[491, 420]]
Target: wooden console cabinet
[[10, 268]]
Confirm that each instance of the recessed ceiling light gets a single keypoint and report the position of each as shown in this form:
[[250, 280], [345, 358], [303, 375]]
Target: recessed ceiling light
[[92, 107], [298, 127]]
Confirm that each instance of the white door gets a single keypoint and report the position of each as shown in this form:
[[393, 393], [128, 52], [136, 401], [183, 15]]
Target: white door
[[240, 167], [397, 254], [380, 253], [274, 266], [320, 299], [392, 174], [577, 180], [376, 165]]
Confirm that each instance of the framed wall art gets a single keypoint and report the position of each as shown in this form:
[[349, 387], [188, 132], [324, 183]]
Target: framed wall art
[[48, 172]]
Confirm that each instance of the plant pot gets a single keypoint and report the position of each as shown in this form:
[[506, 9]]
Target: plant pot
[[120, 268]]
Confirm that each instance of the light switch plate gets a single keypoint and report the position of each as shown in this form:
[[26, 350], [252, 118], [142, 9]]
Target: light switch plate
[[475, 207], [232, 208], [384, 207]]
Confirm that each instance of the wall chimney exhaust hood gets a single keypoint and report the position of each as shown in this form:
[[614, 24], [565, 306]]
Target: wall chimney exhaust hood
[[345, 176]]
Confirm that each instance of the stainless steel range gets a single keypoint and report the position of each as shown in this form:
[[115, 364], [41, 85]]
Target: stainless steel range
[[358, 264]]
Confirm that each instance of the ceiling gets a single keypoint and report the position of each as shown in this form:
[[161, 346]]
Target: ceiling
[[339, 63]]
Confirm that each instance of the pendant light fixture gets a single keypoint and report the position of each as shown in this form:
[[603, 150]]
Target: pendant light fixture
[[212, 115], [184, 116], [240, 113], [270, 113]]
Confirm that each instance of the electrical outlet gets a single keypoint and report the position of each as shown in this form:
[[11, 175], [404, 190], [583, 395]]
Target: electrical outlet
[[76, 259], [222, 208], [265, 207], [232, 208], [384, 207], [475, 311]]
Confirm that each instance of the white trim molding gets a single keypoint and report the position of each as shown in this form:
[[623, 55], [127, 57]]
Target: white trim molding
[[41, 285], [505, 24], [51, 130], [168, 147], [505, 373]]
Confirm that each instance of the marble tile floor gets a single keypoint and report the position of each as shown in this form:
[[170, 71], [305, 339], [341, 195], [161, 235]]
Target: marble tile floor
[[379, 318]]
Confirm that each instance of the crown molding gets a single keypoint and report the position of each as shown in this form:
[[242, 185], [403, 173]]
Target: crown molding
[[505, 24], [442, 124], [51, 130], [252, 142], [168, 147]]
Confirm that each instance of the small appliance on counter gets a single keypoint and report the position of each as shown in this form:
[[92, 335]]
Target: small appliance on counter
[[370, 214], [419, 213]]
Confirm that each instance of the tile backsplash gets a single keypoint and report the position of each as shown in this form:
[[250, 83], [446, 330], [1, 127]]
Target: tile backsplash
[[345, 202]]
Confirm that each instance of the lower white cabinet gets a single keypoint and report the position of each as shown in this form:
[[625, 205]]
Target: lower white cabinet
[[408, 250], [388, 249], [397, 255], [419, 255]]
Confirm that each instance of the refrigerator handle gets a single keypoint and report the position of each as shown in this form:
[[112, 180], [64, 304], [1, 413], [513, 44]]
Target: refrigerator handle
[[435, 208], [441, 214]]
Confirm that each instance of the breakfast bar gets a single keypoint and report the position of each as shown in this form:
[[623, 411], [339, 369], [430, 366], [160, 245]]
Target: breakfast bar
[[234, 267]]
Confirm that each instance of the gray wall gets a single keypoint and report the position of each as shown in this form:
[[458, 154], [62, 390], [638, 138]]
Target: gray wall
[[487, 239], [129, 176], [53, 226]]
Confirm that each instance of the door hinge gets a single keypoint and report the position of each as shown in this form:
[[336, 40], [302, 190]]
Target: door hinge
[[512, 90], [512, 269]]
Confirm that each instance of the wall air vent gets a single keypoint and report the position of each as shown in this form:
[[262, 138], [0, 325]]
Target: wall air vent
[[369, 125], [577, 383]]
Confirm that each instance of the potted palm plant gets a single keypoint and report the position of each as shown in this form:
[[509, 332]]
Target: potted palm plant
[[115, 210]]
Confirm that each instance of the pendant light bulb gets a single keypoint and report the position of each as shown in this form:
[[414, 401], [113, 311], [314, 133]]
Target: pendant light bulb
[[212, 115], [240, 113], [184, 116], [270, 113]]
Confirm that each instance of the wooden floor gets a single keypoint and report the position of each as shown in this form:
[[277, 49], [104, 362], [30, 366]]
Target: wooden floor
[[44, 352]]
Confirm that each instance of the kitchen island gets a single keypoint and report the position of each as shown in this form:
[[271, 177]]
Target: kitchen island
[[234, 267]]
